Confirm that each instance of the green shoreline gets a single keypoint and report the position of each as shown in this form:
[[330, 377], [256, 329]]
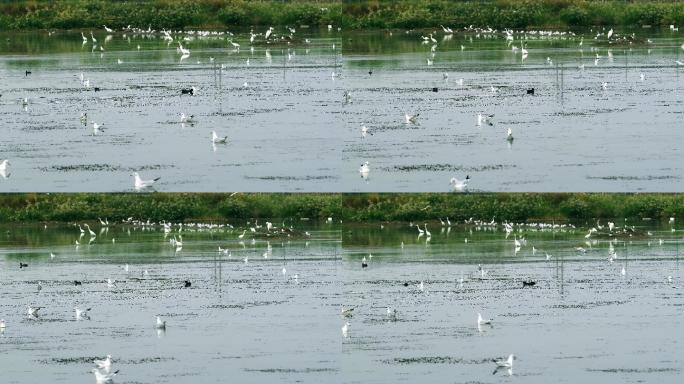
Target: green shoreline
[[349, 14], [347, 207]]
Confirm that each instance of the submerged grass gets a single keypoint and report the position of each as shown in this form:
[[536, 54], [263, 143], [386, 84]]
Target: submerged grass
[[364, 207], [348, 14]]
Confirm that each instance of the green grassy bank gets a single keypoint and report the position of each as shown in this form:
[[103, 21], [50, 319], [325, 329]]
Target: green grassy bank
[[347, 207], [349, 14]]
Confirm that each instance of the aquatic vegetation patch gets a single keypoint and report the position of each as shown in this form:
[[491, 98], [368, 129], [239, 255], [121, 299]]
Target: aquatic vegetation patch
[[102, 168], [291, 370], [633, 178], [292, 178], [448, 167], [633, 370], [435, 360], [90, 359]]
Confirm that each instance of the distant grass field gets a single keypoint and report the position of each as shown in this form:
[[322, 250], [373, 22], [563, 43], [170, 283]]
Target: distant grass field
[[349, 14], [366, 207]]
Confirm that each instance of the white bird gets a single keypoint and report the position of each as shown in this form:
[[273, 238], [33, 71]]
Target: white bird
[[97, 128], [82, 314], [2, 324], [610, 33], [391, 313], [119, 61], [642, 77], [428, 234], [481, 321], [484, 118], [105, 364], [215, 139], [33, 311], [103, 377], [160, 324], [508, 363], [364, 170], [90, 231], [345, 329], [516, 242], [141, 184], [108, 29], [364, 131], [187, 119], [110, 283], [604, 85], [4, 168], [347, 312], [421, 286], [509, 137], [183, 51], [411, 119], [269, 31], [679, 62]]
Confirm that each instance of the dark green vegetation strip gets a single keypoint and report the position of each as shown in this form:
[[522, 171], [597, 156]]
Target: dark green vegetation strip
[[347, 207], [348, 14]]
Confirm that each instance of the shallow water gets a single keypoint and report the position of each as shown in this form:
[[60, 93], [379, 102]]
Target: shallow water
[[282, 126], [571, 135], [237, 320], [583, 318], [290, 130], [582, 321]]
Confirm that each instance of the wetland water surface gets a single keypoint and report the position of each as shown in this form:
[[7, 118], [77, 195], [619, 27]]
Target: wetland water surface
[[584, 319], [290, 129]]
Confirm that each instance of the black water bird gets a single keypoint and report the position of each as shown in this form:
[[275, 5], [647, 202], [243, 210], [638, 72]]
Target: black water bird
[[76, 282], [529, 283], [530, 91], [27, 73], [187, 284], [188, 91], [22, 265]]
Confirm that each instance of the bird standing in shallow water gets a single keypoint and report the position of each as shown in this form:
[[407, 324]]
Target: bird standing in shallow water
[[459, 185]]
